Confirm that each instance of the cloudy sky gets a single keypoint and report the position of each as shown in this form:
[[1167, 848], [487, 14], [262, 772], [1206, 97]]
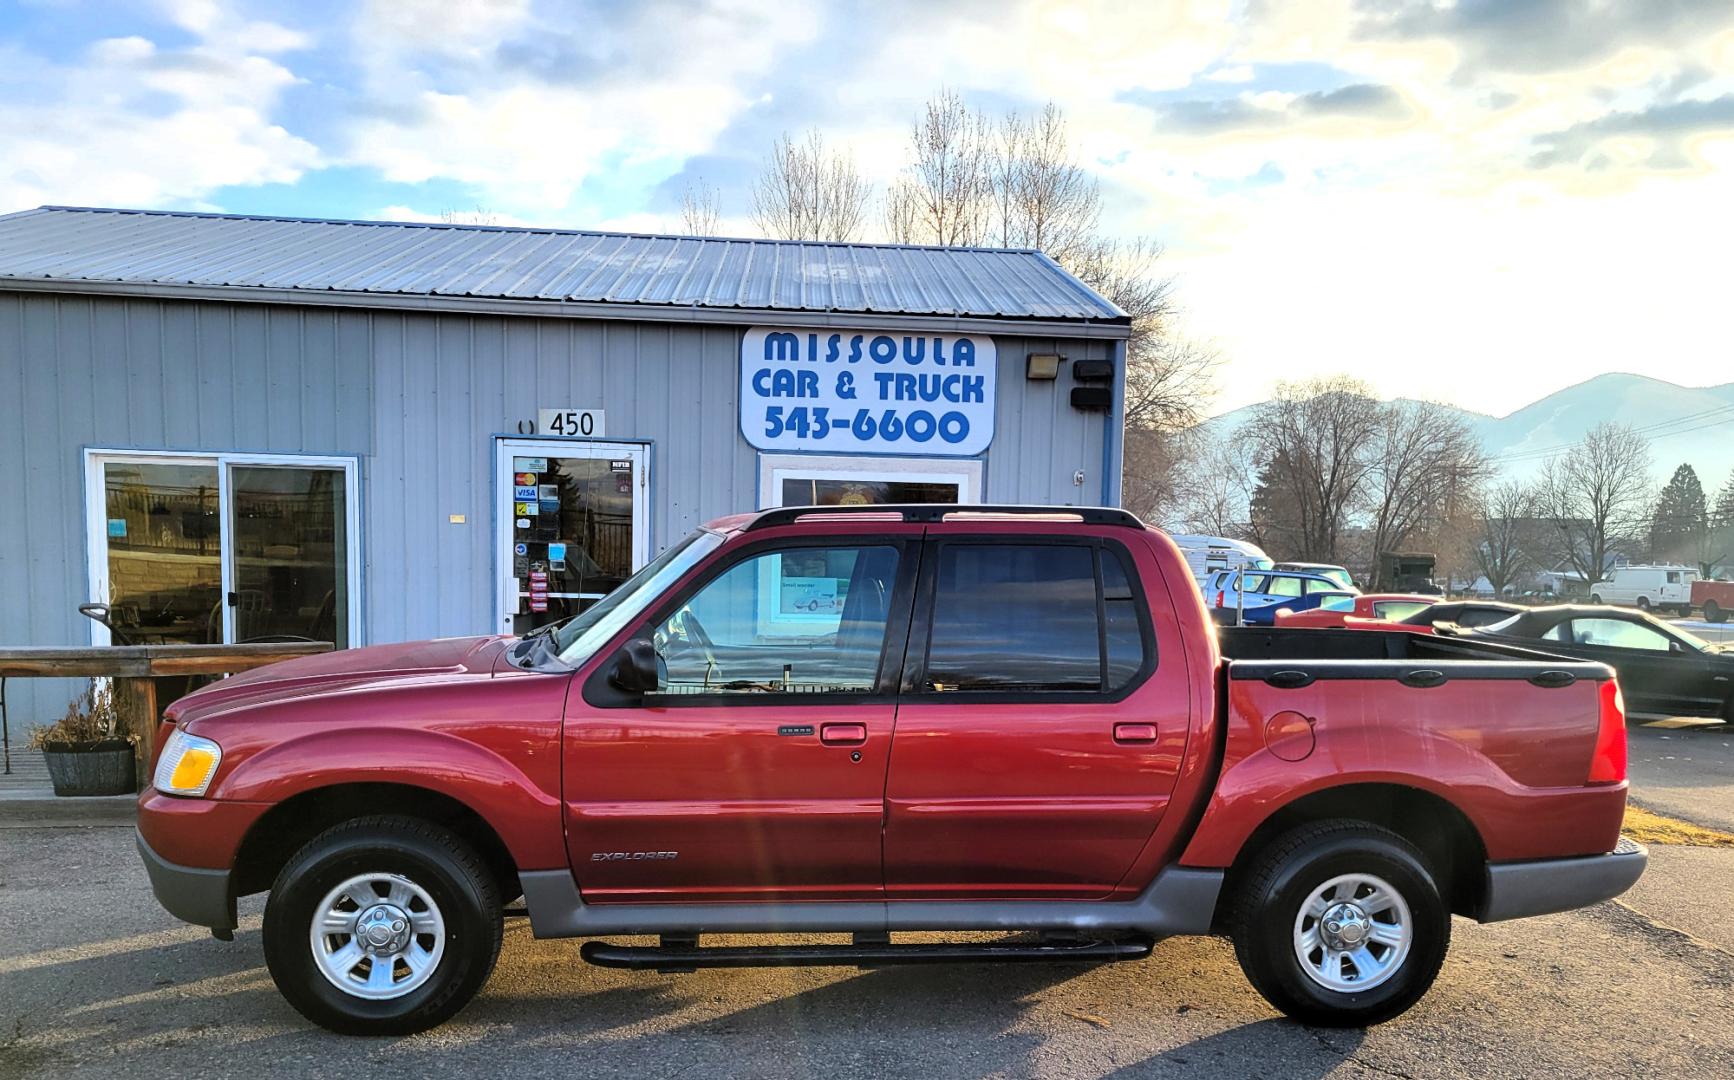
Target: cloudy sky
[[1475, 201]]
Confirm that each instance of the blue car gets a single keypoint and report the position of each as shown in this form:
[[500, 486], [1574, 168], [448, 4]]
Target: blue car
[[1266, 587], [1266, 615]]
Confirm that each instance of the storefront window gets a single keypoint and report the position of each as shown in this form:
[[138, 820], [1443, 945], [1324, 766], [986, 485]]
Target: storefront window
[[163, 537], [219, 548], [855, 492]]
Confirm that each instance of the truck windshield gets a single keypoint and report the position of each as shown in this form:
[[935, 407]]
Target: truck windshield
[[579, 639]]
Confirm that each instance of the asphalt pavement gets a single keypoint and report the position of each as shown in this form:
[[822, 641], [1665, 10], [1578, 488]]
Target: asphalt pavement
[[96, 981], [1684, 772]]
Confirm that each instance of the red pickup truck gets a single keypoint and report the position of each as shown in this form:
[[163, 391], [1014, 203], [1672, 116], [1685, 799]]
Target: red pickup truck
[[867, 721]]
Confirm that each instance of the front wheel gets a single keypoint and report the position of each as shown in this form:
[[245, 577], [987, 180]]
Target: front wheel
[[1595, 598], [382, 926], [1340, 924], [1643, 603]]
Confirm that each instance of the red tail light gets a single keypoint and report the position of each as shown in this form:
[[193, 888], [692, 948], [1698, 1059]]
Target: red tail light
[[1219, 595], [1608, 765]]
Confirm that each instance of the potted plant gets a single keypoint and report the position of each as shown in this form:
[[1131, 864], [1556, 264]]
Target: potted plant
[[89, 751]]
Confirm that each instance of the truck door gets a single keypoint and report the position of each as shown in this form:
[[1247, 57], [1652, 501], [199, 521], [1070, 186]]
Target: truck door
[[1042, 721], [756, 769]]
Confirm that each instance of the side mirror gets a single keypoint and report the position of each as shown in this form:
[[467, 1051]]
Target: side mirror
[[1676, 648], [636, 670]]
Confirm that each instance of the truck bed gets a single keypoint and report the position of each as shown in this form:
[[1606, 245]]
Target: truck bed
[[1254, 643]]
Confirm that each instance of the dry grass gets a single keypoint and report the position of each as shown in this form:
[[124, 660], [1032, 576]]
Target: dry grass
[[1648, 828]]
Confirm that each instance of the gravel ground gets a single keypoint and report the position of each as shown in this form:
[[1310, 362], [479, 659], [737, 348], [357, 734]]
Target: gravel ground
[[95, 981]]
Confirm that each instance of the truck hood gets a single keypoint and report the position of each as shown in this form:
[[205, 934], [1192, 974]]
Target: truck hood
[[348, 669]]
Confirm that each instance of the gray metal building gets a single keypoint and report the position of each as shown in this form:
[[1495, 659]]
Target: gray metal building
[[235, 427]]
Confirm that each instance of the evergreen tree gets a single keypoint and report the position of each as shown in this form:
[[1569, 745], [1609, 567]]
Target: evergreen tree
[[1723, 518], [1680, 521]]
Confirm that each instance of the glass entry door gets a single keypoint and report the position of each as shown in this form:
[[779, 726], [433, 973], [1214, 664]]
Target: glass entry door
[[572, 524], [222, 549]]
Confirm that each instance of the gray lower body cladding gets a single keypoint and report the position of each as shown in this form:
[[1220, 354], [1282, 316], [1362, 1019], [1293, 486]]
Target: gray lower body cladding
[[1517, 890], [189, 893], [1180, 901]]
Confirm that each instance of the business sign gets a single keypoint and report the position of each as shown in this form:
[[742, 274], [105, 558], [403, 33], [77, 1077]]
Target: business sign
[[868, 393]]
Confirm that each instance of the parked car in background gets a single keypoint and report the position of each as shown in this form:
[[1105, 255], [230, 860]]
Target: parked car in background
[[1662, 668], [1714, 598], [1388, 607], [1336, 573], [1408, 571], [1077, 754], [1464, 613], [1208, 555], [1267, 587], [1269, 614], [1646, 587]]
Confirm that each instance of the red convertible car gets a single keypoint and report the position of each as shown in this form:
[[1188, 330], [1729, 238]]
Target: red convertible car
[[1389, 607]]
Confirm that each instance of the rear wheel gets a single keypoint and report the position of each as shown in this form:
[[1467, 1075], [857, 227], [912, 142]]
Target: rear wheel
[[1340, 924], [382, 926], [1713, 612]]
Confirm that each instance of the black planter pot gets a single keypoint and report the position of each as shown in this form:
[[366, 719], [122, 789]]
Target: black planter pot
[[99, 768]]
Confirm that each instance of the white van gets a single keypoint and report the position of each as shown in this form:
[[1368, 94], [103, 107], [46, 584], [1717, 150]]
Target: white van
[[1207, 554], [1646, 587]]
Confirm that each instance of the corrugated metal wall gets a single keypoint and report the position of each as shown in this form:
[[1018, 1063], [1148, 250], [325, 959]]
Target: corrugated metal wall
[[417, 398]]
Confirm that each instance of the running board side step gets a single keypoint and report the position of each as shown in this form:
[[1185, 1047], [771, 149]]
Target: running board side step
[[684, 957]]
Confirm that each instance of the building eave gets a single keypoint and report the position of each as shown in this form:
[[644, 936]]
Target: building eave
[[1108, 329]]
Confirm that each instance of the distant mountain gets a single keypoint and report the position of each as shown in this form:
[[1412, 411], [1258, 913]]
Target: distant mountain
[[1687, 424]]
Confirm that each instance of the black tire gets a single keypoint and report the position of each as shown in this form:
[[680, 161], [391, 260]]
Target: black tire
[[1279, 882], [1643, 603], [1595, 598], [436, 861], [1713, 612]]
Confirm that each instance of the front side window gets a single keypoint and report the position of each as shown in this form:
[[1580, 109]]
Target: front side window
[[1398, 609], [1033, 617], [1617, 634], [1673, 577], [802, 620], [1284, 586]]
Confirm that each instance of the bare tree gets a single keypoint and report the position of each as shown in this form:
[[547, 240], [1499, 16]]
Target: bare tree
[[1425, 463], [810, 192], [1503, 550], [1310, 442], [1212, 479], [1044, 198], [945, 196], [1595, 495], [700, 209]]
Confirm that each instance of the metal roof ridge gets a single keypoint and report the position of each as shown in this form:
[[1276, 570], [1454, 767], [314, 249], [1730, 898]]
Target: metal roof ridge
[[550, 229]]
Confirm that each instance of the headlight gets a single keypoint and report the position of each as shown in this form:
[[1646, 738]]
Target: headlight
[[186, 765]]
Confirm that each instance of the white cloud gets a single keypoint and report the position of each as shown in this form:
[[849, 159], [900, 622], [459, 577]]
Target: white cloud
[[129, 124], [528, 110]]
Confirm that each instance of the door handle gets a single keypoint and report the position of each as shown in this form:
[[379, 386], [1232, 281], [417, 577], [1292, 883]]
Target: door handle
[[842, 734], [1134, 733]]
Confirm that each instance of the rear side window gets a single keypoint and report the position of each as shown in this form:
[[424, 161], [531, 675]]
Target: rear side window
[[1033, 617]]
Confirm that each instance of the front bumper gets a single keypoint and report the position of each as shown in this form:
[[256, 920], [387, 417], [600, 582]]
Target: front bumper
[[1517, 890], [189, 893]]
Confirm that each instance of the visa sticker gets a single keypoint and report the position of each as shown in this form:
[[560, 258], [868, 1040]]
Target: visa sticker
[[528, 491]]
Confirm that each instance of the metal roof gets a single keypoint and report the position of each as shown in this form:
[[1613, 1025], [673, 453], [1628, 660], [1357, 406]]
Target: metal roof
[[626, 275]]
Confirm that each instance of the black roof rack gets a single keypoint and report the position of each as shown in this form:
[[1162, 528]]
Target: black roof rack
[[936, 512]]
